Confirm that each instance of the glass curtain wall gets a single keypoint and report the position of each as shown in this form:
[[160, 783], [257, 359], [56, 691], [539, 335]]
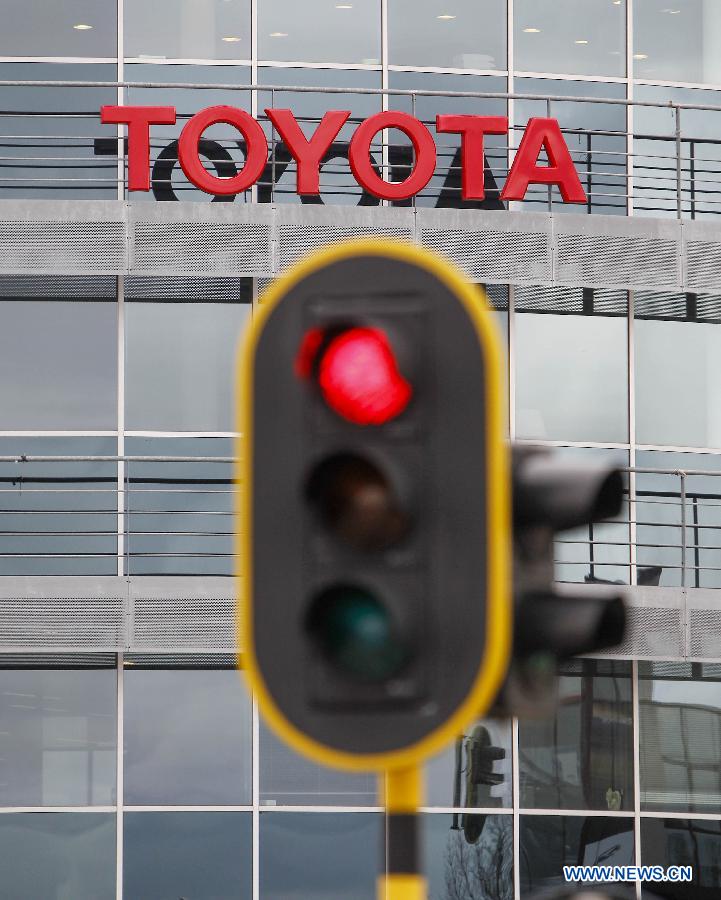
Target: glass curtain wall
[[152, 777], [608, 49]]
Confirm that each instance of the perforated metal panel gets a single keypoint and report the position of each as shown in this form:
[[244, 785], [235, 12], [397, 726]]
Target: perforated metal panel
[[182, 614], [586, 259], [705, 633], [59, 247], [703, 265], [294, 243], [652, 631], [201, 248], [64, 623], [494, 256]]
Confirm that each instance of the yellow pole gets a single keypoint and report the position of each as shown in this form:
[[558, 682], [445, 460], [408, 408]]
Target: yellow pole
[[402, 793]]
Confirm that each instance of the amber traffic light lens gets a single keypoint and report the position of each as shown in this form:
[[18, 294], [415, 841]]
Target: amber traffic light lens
[[357, 502]]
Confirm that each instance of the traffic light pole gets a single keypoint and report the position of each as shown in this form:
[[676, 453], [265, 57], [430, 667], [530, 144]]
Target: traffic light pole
[[403, 789]]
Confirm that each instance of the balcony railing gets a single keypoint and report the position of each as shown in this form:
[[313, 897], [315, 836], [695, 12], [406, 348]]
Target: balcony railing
[[52, 145], [173, 516]]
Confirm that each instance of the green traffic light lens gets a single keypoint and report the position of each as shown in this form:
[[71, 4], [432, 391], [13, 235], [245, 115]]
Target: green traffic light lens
[[356, 633]]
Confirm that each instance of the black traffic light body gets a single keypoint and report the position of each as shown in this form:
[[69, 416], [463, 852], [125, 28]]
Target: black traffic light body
[[374, 536], [553, 623]]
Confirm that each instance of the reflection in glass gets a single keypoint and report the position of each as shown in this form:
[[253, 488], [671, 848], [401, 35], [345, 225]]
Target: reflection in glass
[[459, 34], [564, 331], [51, 133], [548, 843], [187, 29], [60, 517], [58, 856], [677, 41], [469, 864], [192, 855], [684, 842], [187, 737], [320, 31], [680, 741], [576, 38], [580, 756], [179, 365], [475, 771], [70, 28], [288, 779], [57, 737], [319, 856]]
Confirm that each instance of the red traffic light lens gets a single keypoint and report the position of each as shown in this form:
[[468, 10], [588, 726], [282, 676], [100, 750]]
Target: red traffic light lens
[[359, 377]]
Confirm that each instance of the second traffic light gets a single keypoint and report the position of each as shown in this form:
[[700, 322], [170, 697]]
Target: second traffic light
[[553, 623]]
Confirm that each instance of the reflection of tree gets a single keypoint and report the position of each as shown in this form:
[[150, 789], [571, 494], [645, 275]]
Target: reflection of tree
[[480, 871]]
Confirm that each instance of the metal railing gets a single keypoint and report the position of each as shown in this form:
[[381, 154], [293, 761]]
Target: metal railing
[[173, 515], [670, 165]]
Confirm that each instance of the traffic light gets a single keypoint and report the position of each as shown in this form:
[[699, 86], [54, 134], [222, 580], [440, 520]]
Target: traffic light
[[374, 534], [551, 495], [481, 776]]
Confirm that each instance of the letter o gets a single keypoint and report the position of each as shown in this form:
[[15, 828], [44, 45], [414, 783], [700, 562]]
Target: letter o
[[423, 145], [256, 153]]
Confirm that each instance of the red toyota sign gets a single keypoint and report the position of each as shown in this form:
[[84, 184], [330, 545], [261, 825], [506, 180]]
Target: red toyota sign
[[539, 135]]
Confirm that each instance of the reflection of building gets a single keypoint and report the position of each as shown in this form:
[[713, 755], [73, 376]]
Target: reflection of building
[[131, 762]]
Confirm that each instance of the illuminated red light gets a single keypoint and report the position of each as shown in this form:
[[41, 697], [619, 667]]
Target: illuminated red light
[[359, 378]]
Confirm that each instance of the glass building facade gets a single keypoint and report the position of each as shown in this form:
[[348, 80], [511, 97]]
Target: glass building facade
[[150, 776]]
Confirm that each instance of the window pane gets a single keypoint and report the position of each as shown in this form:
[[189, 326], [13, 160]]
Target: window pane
[[599, 552], [50, 133], [655, 176], [576, 38], [659, 513], [677, 41], [320, 31], [459, 34], [58, 856], [187, 29], [180, 363], [219, 147], [571, 364], [680, 721], [548, 843], [38, 28], [57, 737], [198, 855], [450, 780], [180, 513], [60, 517], [596, 137], [64, 354], [469, 857], [678, 377], [319, 856], [288, 779], [337, 184], [581, 756], [187, 737], [444, 188], [683, 842]]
